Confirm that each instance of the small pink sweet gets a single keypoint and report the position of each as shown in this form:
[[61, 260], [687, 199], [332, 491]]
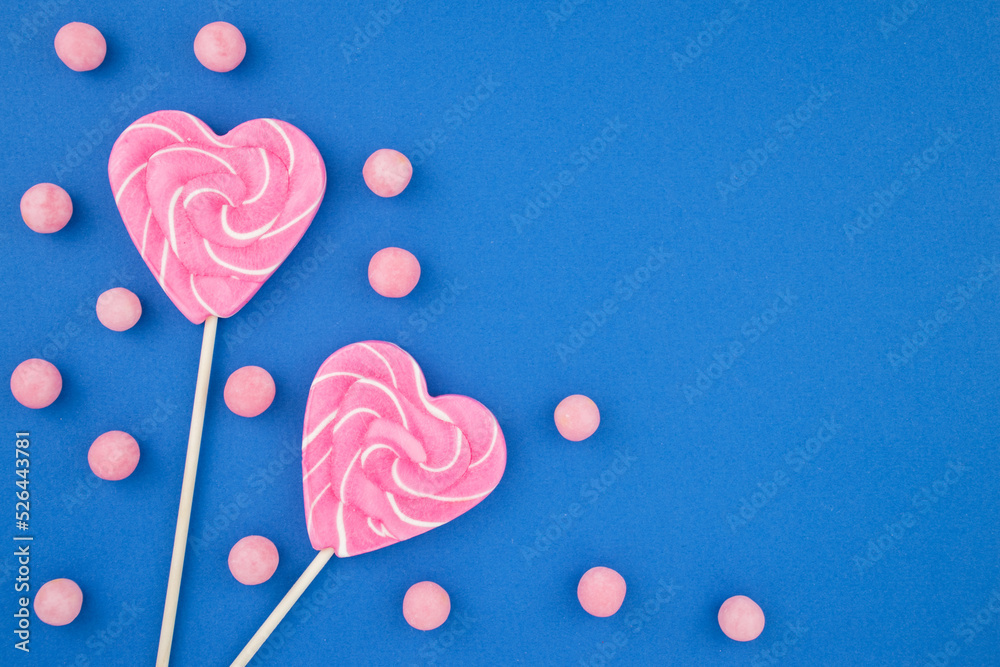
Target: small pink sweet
[[35, 383], [114, 455], [118, 309], [220, 46], [741, 618], [46, 208], [393, 272], [426, 605], [249, 391], [577, 417], [601, 591], [387, 172], [253, 560], [80, 46], [58, 602]]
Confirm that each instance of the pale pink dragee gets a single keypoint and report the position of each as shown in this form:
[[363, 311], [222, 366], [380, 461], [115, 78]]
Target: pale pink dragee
[[253, 560], [249, 391], [387, 172], [58, 602], [426, 605], [393, 272], [46, 208], [601, 591], [36, 383], [114, 455], [118, 309], [577, 417], [741, 618], [80, 46], [220, 46], [381, 460], [214, 217]]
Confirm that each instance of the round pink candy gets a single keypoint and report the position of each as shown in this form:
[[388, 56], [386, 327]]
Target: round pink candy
[[249, 391], [601, 591], [114, 455], [80, 46], [46, 208], [741, 618], [577, 417], [35, 383], [387, 172], [58, 602], [393, 272], [426, 605], [220, 46], [253, 560], [118, 309]]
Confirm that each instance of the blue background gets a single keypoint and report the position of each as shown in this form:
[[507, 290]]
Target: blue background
[[851, 560]]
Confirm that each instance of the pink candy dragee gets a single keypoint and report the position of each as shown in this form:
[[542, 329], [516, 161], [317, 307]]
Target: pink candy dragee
[[58, 602], [220, 46], [741, 618], [46, 208], [426, 605], [118, 309], [214, 217], [387, 172], [80, 46], [601, 591], [249, 391], [381, 460], [253, 560], [577, 417], [36, 383], [393, 272], [113, 455]]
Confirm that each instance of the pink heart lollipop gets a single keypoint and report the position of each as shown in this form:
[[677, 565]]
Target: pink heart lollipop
[[213, 217], [382, 461]]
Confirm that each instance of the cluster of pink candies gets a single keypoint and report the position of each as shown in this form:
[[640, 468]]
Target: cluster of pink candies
[[218, 46], [393, 272]]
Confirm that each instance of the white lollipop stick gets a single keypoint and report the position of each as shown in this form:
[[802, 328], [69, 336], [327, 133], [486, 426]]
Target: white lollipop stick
[[300, 586], [187, 492]]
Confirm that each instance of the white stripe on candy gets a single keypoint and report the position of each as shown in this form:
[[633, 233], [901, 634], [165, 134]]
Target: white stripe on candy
[[408, 519], [195, 193], [249, 272], [385, 361], [454, 460], [418, 494], [267, 179], [294, 220], [204, 130], [153, 126], [174, 149], [493, 443], [127, 180], [288, 144], [171, 224], [145, 231]]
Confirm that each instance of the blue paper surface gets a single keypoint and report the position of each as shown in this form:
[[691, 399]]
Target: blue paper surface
[[762, 236]]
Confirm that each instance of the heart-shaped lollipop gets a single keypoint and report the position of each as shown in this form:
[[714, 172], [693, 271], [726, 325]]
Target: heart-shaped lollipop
[[381, 460], [214, 217]]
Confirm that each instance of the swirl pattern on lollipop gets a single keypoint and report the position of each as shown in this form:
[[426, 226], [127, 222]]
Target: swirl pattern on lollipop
[[381, 460], [213, 217]]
